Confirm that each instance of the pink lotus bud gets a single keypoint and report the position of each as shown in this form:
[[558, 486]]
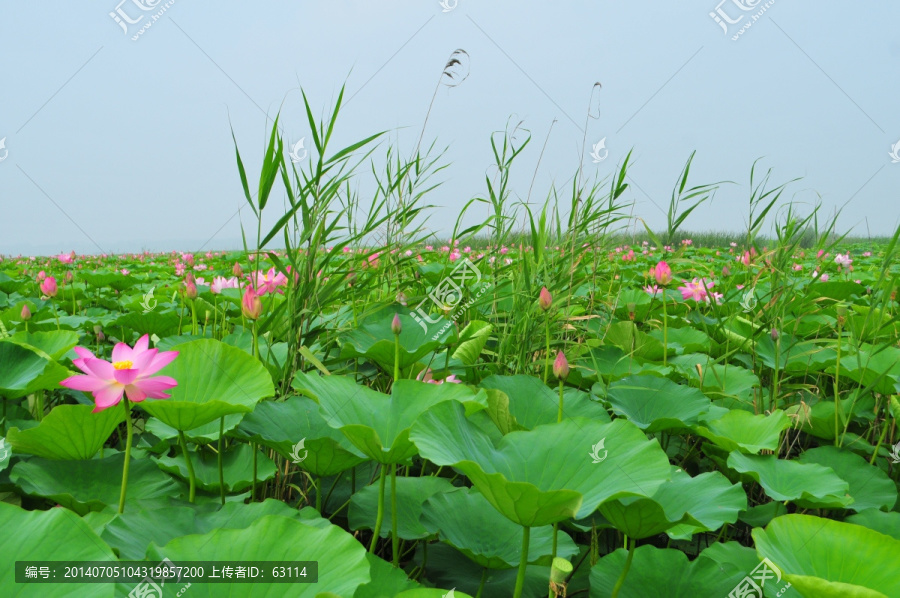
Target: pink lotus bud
[[396, 326], [251, 306], [190, 289], [726, 270], [26, 313], [561, 366], [775, 334], [48, 286], [69, 276], [662, 273], [545, 300], [237, 270], [41, 275]]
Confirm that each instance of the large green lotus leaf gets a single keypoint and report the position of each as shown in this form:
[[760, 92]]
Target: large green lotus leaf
[[387, 581], [237, 468], [532, 403], [740, 430], [830, 559], [610, 363], [654, 404], [341, 559], [794, 355], [280, 425], [67, 432], [376, 423], [132, 532], [870, 486], [92, 485], [886, 523], [737, 563], [159, 322], [54, 344], [10, 285], [471, 341], [465, 520], [681, 507], [213, 380], [661, 572], [732, 384], [541, 476], [374, 340], [632, 341], [808, 485], [205, 434], [25, 371], [53, 535], [873, 365], [411, 495], [684, 340]]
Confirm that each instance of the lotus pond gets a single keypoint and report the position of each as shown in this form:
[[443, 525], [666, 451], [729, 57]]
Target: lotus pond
[[559, 416]]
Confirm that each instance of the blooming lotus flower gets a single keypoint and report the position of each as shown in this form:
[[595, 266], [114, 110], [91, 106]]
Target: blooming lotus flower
[[48, 286], [269, 282], [66, 258], [220, 282], [662, 273], [545, 299], [843, 260], [251, 306], [696, 290], [426, 376], [653, 290], [130, 373]]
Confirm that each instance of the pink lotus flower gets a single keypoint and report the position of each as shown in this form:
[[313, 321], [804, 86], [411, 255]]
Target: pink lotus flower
[[66, 258], [653, 290], [426, 377], [545, 299], [842, 260], [561, 366], [251, 306], [220, 282], [48, 286], [269, 282], [26, 313], [662, 273], [696, 290], [130, 373]]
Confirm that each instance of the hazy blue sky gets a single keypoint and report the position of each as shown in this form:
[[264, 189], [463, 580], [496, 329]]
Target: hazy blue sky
[[115, 144]]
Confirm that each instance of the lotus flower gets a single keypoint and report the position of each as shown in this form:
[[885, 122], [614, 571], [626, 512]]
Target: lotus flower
[[843, 260], [269, 282], [662, 273], [696, 289], [130, 373], [396, 326], [48, 286], [251, 306], [561, 366], [545, 299], [220, 282], [26, 313], [426, 377]]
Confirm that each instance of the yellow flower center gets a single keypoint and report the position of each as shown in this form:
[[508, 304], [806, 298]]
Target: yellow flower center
[[122, 365]]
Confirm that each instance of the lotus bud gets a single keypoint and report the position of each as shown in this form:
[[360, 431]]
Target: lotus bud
[[396, 326], [726, 270], [251, 306], [237, 270], [631, 307], [190, 289], [48, 286], [662, 273], [561, 366], [545, 300], [98, 331], [26, 313], [775, 334], [69, 276]]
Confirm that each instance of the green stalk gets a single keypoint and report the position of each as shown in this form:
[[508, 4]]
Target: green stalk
[[523, 563], [190, 467], [621, 580], [665, 330], [380, 517], [193, 318], [547, 354], [395, 539], [559, 414], [481, 585], [222, 458], [837, 375], [129, 436], [396, 357], [253, 488]]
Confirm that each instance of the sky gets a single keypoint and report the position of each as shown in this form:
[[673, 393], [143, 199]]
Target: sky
[[117, 136]]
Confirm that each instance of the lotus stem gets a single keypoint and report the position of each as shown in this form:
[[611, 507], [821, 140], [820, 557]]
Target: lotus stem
[[559, 414], [255, 450], [665, 330], [837, 374], [222, 458], [395, 539], [190, 467], [193, 318], [380, 517], [128, 438], [621, 580], [396, 357], [547, 353], [523, 563], [560, 571]]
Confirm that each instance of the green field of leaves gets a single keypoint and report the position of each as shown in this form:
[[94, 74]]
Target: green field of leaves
[[553, 412]]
